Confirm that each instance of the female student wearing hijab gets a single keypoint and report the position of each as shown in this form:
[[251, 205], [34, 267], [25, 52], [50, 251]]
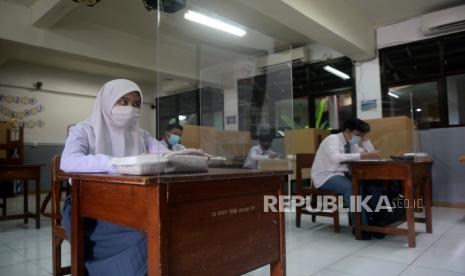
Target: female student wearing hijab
[[112, 130]]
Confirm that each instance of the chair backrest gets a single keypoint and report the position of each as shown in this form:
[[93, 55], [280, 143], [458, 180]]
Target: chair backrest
[[304, 161], [11, 149], [55, 193], [56, 189]]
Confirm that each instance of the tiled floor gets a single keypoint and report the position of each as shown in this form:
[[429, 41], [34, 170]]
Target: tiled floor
[[313, 249]]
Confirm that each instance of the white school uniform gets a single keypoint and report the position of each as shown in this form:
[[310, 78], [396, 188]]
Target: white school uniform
[[256, 153]]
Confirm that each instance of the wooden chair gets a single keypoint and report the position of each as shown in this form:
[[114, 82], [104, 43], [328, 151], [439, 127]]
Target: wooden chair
[[58, 231], [303, 161], [11, 152]]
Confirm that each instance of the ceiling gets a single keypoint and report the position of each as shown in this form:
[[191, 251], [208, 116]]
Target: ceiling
[[10, 51], [385, 12], [131, 17]]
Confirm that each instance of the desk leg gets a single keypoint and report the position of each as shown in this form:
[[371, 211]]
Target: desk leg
[[357, 215], [427, 203], [25, 201], [278, 268], [154, 252], [77, 232], [37, 215], [408, 195]]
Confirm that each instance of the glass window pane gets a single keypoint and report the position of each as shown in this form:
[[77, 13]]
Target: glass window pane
[[424, 101], [300, 106], [456, 99], [331, 111]]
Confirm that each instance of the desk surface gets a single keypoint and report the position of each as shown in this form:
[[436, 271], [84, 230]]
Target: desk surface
[[212, 174], [389, 161], [12, 166]]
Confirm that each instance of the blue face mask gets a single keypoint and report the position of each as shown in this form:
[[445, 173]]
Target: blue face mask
[[355, 140], [174, 139]]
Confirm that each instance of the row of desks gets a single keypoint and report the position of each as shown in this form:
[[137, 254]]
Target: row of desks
[[211, 223]]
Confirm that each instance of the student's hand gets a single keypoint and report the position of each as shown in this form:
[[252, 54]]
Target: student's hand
[[273, 155], [370, 155]]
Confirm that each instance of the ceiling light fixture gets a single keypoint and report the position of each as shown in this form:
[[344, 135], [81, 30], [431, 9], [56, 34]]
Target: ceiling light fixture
[[393, 95], [336, 72], [418, 110], [213, 23]]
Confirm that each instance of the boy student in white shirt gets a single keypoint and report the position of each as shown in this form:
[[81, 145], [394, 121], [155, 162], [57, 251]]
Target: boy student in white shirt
[[261, 151], [172, 139], [329, 172]]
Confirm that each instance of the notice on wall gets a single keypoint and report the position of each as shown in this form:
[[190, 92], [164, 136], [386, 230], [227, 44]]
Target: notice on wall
[[368, 105]]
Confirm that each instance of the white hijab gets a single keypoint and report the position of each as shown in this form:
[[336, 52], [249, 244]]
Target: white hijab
[[103, 134]]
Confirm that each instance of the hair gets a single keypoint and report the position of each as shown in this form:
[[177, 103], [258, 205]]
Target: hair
[[174, 126], [265, 134], [356, 124]]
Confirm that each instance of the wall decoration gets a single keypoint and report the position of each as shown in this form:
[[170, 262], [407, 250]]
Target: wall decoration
[[368, 105], [29, 124], [19, 116]]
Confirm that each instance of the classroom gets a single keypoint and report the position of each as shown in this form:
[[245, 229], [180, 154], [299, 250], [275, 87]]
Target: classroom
[[232, 137]]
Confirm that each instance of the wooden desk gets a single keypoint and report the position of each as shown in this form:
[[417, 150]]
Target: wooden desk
[[410, 173], [25, 173], [197, 224]]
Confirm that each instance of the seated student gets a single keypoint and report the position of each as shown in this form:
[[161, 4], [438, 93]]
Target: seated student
[[329, 173], [111, 130], [261, 151], [173, 134]]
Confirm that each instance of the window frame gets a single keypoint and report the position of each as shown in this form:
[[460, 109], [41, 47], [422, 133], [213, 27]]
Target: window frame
[[440, 77]]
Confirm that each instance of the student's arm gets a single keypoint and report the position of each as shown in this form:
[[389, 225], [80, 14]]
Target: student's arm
[[75, 157], [367, 146], [331, 148], [256, 155]]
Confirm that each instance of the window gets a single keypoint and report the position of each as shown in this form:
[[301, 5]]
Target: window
[[263, 98], [432, 72], [333, 110], [456, 99], [263, 102], [201, 106], [420, 98]]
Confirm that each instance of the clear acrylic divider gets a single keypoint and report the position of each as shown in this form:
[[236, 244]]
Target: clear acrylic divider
[[228, 85]]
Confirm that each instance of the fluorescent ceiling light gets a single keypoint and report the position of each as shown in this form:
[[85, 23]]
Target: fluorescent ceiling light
[[213, 23], [393, 95], [418, 110], [336, 72]]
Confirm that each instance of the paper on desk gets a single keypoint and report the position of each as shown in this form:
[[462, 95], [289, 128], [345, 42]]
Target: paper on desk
[[373, 160], [138, 160]]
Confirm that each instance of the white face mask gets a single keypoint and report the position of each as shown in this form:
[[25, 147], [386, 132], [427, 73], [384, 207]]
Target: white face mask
[[124, 116]]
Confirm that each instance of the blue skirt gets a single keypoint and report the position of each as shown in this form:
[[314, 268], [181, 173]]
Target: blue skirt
[[110, 249]]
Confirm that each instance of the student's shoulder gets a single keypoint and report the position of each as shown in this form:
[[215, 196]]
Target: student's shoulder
[[332, 137], [80, 129], [145, 134]]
